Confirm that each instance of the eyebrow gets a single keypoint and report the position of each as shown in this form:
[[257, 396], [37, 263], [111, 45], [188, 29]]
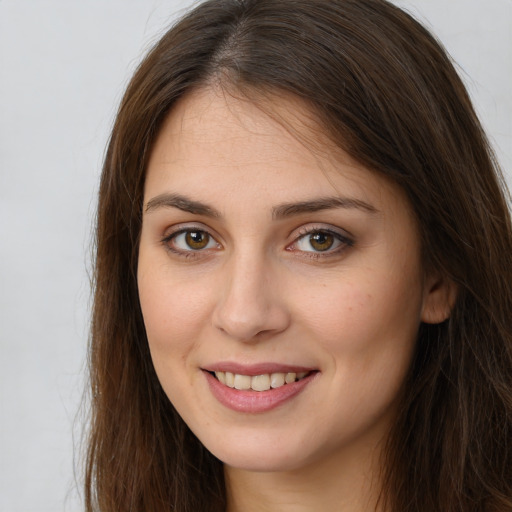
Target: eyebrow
[[322, 203], [182, 203], [278, 212]]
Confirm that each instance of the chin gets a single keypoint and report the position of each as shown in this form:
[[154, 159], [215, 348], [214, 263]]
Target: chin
[[259, 455], [261, 462]]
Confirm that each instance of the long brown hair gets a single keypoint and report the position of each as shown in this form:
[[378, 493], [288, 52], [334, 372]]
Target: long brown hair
[[386, 92]]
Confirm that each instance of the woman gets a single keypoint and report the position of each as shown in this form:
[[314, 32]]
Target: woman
[[303, 276]]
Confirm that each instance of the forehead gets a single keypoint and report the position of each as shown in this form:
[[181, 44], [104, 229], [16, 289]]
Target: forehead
[[217, 145], [274, 124]]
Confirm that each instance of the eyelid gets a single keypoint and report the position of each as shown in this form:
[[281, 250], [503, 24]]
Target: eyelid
[[178, 229], [189, 226], [307, 229], [346, 239]]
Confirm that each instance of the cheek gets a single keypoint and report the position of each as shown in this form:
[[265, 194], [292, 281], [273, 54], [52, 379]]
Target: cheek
[[368, 313], [173, 315], [173, 312], [369, 334]]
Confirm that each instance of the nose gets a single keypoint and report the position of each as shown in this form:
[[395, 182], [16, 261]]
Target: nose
[[252, 304]]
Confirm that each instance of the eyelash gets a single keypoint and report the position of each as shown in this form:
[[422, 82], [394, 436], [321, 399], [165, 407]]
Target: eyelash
[[344, 241], [191, 253]]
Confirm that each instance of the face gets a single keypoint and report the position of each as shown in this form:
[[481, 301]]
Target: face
[[281, 286]]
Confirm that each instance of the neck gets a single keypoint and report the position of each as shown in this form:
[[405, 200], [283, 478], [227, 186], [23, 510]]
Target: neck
[[341, 482]]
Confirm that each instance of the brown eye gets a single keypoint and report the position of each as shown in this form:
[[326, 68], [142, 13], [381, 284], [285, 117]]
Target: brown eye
[[190, 240], [321, 241], [197, 240]]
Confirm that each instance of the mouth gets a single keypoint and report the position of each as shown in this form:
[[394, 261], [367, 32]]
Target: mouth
[[263, 382], [259, 387], [259, 392]]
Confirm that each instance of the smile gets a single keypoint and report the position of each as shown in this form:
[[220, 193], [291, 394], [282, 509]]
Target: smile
[[263, 382], [259, 388]]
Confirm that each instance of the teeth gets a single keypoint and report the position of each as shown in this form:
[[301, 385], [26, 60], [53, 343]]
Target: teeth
[[242, 381], [230, 380], [258, 382], [290, 377], [277, 380]]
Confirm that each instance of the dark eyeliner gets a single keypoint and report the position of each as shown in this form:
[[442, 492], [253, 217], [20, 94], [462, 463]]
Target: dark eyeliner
[[166, 239], [346, 242]]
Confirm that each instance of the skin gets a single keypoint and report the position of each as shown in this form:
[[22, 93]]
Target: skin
[[260, 292]]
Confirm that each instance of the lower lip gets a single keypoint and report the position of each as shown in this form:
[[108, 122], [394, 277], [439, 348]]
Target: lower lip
[[255, 401]]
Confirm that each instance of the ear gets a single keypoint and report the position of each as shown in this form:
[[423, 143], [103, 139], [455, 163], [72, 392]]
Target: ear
[[439, 299]]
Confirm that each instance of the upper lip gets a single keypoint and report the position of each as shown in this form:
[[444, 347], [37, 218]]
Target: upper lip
[[255, 368]]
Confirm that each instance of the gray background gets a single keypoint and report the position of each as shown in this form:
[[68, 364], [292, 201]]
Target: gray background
[[63, 67]]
